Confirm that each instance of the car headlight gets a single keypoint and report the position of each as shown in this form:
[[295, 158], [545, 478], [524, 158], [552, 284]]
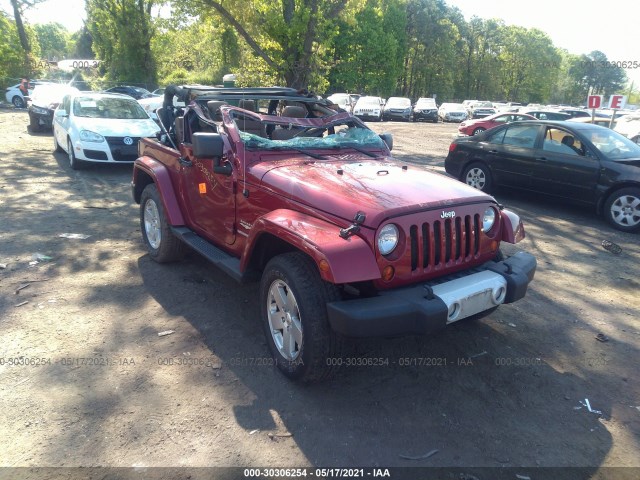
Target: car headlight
[[39, 110], [89, 136], [488, 219], [388, 239]]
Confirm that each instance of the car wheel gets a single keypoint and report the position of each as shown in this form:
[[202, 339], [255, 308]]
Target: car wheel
[[163, 246], [74, 163], [56, 146], [636, 139], [622, 209], [478, 176], [18, 101], [294, 301], [478, 130]]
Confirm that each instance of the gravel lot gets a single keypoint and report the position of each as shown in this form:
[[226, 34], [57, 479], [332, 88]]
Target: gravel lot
[[86, 380]]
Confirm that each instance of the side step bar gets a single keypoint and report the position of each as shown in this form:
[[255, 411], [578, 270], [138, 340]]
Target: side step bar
[[225, 262]]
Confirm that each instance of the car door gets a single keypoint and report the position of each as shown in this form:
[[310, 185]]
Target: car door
[[61, 121], [211, 196], [510, 152], [564, 166]]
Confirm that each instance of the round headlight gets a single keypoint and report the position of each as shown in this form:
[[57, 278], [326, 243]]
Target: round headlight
[[488, 219], [387, 239]]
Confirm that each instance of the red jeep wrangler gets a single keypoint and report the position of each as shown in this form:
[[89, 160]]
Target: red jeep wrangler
[[274, 186]]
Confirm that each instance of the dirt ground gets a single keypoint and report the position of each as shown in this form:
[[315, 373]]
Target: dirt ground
[[85, 379]]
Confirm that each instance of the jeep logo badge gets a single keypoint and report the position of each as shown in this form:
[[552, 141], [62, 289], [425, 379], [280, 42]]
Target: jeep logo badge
[[127, 140], [450, 214]]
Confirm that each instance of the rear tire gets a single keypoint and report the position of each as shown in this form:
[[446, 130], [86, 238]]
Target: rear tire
[[622, 209], [478, 175], [18, 101], [163, 246], [293, 301]]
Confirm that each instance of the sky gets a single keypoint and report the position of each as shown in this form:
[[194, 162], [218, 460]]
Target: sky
[[579, 26]]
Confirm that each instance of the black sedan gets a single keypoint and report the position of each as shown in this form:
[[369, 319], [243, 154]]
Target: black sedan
[[582, 163], [135, 92]]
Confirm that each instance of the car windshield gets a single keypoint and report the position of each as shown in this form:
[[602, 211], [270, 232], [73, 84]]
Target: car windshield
[[105, 107], [613, 145], [396, 102], [456, 107], [369, 101], [426, 102], [346, 136]]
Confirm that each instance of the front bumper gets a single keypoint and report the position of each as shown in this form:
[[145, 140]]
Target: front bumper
[[111, 150], [390, 115], [426, 308], [431, 116], [38, 120]]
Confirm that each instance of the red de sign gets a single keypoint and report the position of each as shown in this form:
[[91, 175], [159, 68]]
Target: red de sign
[[594, 101]]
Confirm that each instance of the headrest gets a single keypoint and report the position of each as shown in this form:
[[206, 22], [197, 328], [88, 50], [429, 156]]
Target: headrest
[[294, 112], [247, 105]]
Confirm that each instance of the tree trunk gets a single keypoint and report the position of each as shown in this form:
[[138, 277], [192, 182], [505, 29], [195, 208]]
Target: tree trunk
[[24, 40]]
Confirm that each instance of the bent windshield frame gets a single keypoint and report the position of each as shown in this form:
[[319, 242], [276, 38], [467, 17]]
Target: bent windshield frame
[[344, 133]]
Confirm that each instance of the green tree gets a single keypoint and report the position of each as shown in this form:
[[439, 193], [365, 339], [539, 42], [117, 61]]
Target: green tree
[[121, 32], [11, 54], [26, 35], [369, 50], [432, 36], [54, 40], [288, 37], [198, 52], [529, 64]]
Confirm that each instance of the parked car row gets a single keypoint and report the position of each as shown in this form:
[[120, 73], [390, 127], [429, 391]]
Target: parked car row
[[375, 108]]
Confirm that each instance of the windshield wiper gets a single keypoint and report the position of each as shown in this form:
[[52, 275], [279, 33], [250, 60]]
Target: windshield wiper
[[301, 150], [358, 149]]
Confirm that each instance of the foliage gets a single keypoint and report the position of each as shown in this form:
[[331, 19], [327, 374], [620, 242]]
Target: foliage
[[11, 56], [410, 48], [121, 33], [54, 40]]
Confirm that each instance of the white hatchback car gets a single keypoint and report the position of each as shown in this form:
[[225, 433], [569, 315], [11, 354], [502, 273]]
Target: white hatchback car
[[100, 128]]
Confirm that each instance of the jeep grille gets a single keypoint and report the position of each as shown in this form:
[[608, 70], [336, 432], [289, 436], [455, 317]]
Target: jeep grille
[[440, 242]]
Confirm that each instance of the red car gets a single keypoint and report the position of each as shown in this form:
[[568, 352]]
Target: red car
[[474, 127]]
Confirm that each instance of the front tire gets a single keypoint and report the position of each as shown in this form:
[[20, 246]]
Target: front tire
[[56, 146], [622, 209], [478, 130], [293, 301], [477, 175], [161, 243], [74, 163]]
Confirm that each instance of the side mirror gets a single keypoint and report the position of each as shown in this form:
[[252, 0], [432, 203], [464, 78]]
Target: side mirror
[[388, 139], [210, 145]]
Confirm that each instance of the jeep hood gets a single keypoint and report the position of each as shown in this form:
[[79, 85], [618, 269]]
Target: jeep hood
[[379, 188]]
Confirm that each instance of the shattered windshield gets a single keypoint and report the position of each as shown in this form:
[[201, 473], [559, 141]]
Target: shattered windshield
[[315, 138]]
